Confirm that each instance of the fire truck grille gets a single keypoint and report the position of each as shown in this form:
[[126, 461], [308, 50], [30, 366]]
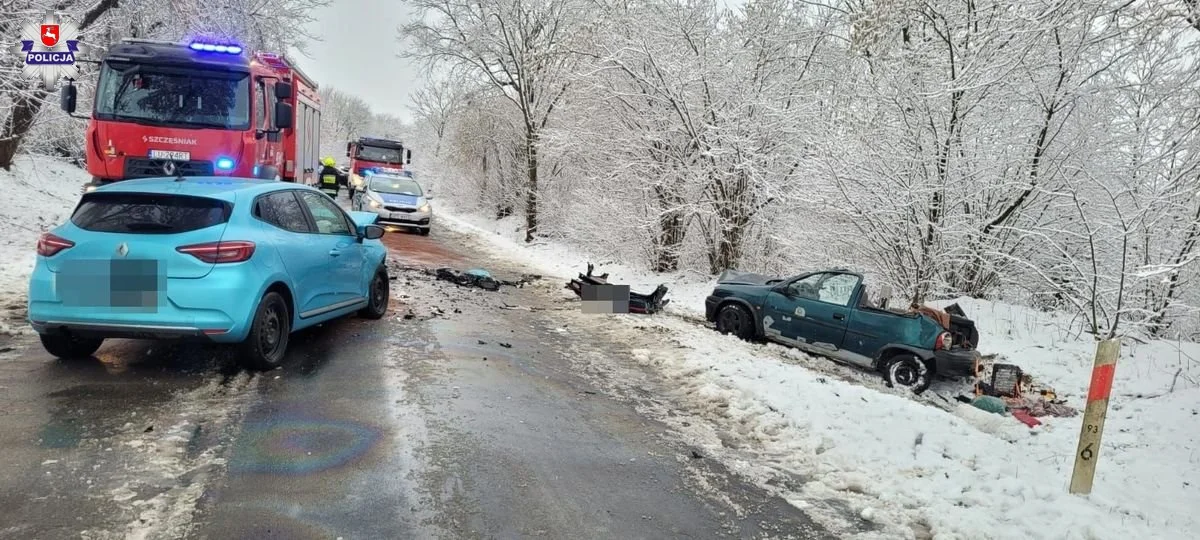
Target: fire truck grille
[[144, 168]]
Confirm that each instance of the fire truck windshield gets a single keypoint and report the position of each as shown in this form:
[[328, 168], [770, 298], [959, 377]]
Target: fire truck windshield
[[375, 153], [173, 97]]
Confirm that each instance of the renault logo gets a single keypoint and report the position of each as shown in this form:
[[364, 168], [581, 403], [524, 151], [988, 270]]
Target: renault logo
[[169, 168], [123, 249]]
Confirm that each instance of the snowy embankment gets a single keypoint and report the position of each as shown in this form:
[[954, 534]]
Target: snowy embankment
[[40, 193], [909, 469]]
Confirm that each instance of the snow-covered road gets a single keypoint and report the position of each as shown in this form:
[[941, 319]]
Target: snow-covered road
[[467, 419]]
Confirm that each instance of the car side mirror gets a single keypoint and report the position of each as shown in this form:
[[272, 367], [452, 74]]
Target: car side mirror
[[283, 90], [283, 115], [349, 147], [67, 97], [408, 157], [373, 232]]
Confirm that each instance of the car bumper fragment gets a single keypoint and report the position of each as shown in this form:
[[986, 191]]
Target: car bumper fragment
[[958, 362], [710, 308]]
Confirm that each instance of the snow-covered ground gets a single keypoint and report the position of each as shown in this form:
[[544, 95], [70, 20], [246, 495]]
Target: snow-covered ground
[[903, 466], [40, 193], [908, 468]]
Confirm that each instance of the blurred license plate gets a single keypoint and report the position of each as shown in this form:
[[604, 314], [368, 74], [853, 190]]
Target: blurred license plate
[[170, 154], [115, 283]]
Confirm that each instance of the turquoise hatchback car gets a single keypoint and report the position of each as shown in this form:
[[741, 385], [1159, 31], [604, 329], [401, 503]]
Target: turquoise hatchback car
[[223, 260]]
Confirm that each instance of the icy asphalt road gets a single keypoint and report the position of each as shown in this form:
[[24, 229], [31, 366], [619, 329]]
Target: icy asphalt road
[[463, 414]]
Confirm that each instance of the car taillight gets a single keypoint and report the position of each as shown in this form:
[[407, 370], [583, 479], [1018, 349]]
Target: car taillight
[[944, 341], [49, 245], [225, 251]]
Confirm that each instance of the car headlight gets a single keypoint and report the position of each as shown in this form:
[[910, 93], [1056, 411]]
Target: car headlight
[[374, 203], [423, 208]]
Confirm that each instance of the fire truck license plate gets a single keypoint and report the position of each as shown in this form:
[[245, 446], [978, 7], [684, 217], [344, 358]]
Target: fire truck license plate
[[170, 154]]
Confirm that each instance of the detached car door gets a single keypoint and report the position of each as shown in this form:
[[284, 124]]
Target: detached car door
[[337, 237]]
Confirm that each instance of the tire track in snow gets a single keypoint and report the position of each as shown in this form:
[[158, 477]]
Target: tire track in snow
[[158, 491]]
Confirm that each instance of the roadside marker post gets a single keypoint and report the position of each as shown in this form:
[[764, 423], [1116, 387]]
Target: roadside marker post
[[1088, 451]]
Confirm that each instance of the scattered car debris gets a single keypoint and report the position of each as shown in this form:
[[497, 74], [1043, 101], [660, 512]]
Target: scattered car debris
[[1026, 418], [470, 278], [1005, 382], [1021, 393], [1038, 406], [506, 345], [990, 404], [474, 277], [478, 277], [638, 303]]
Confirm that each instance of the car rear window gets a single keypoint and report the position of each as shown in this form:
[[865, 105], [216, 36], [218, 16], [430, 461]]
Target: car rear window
[[148, 213]]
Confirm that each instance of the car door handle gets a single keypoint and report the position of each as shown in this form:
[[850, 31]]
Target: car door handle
[[334, 252], [839, 316]]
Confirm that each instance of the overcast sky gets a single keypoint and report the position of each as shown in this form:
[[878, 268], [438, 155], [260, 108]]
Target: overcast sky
[[357, 54]]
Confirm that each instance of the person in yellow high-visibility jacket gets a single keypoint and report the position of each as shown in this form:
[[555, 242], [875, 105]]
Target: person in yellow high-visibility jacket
[[330, 178]]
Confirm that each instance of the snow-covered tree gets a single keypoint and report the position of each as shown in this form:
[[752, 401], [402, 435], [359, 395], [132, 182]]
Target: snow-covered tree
[[1042, 153], [521, 49]]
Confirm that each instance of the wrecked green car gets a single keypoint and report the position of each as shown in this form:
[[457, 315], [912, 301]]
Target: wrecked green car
[[829, 313]]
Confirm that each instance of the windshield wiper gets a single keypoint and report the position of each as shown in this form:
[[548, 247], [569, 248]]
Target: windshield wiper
[[126, 79]]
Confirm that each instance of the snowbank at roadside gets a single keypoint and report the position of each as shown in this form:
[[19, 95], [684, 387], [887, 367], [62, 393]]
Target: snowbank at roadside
[[897, 462], [961, 474], [40, 192]]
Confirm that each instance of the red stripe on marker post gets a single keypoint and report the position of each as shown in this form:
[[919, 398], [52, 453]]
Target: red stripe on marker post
[[1092, 428], [1102, 381]]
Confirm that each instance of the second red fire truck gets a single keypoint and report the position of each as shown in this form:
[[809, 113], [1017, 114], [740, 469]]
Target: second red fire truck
[[370, 156], [200, 109]]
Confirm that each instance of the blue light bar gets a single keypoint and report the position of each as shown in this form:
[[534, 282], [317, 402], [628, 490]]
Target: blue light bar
[[216, 47], [224, 164]]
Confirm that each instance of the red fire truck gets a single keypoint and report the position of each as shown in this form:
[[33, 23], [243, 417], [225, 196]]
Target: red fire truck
[[200, 109], [370, 156]]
